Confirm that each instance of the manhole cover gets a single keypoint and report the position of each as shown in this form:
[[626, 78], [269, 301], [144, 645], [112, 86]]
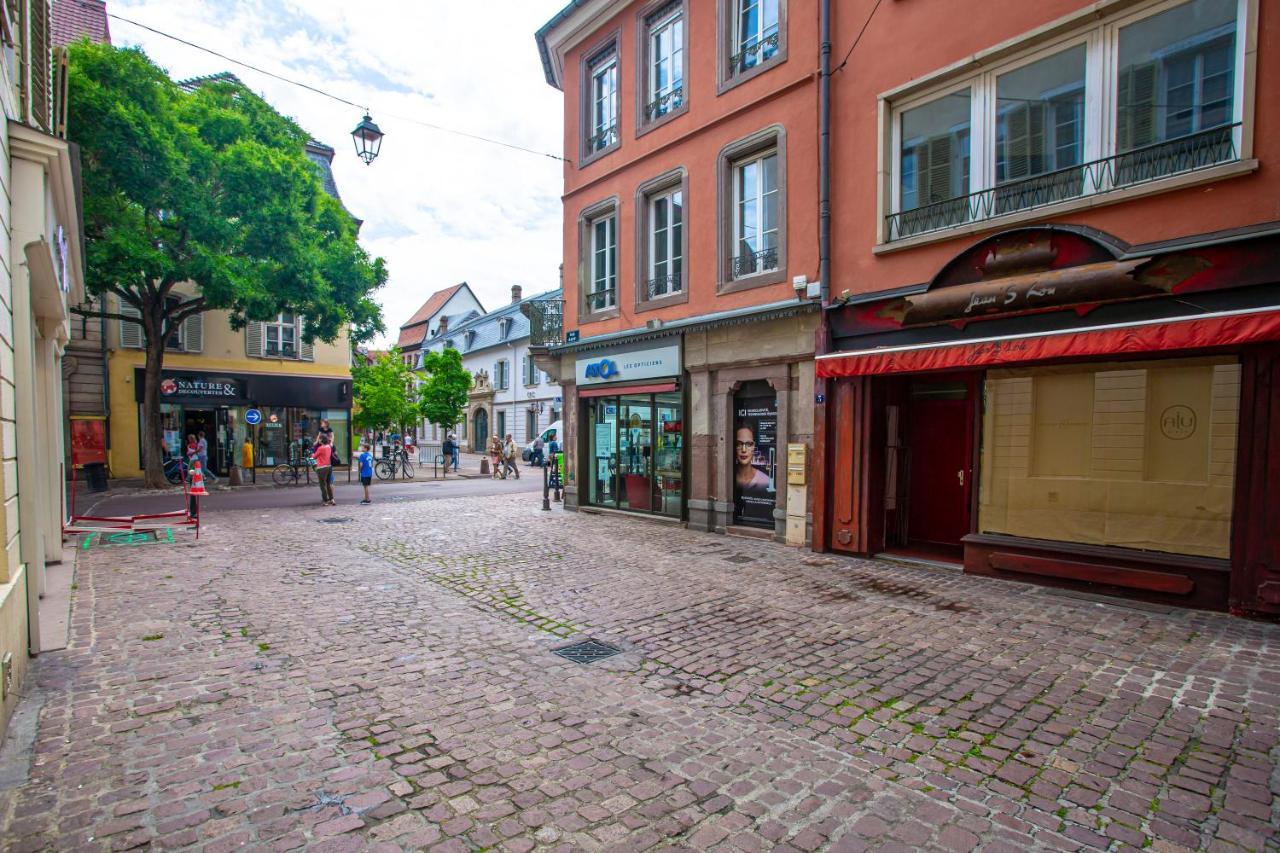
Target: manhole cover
[[588, 651], [334, 520], [740, 558]]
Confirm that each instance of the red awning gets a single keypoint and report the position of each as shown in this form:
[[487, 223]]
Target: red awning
[[1220, 329], [627, 389]]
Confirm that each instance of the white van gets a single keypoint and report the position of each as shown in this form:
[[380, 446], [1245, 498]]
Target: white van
[[557, 427]]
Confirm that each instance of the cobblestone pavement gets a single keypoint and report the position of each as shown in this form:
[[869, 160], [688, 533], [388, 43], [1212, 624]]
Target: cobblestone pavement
[[387, 681]]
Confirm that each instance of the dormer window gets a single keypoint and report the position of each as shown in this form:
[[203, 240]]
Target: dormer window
[[504, 327], [470, 339]]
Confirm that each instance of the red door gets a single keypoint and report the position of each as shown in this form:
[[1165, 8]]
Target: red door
[[940, 430]]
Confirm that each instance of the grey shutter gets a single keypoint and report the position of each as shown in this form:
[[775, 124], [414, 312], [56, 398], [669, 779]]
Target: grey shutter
[[130, 333], [306, 352], [937, 184], [193, 333], [1137, 124], [255, 336]]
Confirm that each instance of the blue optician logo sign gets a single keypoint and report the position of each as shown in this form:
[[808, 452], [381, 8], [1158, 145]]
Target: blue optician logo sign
[[602, 369], [252, 417]]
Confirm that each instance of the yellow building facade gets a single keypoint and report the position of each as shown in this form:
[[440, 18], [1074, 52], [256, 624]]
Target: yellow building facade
[[214, 375]]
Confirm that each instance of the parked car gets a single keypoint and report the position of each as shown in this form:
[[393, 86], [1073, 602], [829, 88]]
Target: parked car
[[557, 427]]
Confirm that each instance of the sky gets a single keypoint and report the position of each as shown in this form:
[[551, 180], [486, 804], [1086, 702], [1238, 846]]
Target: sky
[[438, 207]]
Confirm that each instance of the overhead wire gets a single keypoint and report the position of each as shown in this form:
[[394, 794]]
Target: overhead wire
[[865, 24], [330, 95]]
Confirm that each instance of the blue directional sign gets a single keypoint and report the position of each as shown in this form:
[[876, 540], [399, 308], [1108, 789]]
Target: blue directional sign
[[252, 417]]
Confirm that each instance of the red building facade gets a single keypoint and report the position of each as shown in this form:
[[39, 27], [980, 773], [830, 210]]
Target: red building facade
[[1053, 337]]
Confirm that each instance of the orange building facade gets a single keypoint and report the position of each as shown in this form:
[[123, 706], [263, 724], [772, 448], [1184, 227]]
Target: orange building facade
[[690, 241], [1050, 350]]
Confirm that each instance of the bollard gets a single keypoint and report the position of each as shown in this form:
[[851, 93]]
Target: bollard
[[546, 490]]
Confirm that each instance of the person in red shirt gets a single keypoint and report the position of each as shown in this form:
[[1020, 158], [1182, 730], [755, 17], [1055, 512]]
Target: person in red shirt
[[323, 454]]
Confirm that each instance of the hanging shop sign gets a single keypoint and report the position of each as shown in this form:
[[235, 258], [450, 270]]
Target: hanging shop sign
[[755, 459], [595, 368]]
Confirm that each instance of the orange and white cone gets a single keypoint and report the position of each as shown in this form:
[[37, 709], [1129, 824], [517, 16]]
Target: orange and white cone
[[197, 479]]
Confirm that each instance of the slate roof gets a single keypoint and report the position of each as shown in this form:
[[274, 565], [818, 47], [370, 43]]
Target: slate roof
[[488, 327], [75, 18]]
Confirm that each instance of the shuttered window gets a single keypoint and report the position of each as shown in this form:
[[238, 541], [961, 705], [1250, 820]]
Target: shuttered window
[[131, 336], [40, 59]]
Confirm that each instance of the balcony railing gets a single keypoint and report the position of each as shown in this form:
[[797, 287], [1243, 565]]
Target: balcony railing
[[752, 263], [598, 300], [753, 54], [1132, 168], [602, 138], [663, 285], [664, 104], [546, 322]]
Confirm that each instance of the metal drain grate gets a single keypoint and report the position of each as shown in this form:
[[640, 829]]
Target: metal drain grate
[[334, 520], [740, 558], [588, 651]]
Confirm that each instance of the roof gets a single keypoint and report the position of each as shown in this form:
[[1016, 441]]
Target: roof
[[541, 38], [413, 332], [75, 18], [487, 328]]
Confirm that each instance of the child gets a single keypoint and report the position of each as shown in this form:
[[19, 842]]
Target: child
[[366, 470]]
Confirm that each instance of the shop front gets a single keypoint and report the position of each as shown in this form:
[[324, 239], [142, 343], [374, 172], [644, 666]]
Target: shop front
[[631, 441], [292, 410], [1059, 408]]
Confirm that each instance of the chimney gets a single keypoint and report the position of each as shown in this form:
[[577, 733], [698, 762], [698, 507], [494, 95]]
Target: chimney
[[515, 293], [444, 325]]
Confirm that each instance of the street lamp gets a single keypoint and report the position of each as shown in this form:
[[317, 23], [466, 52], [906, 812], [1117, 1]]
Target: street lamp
[[368, 139]]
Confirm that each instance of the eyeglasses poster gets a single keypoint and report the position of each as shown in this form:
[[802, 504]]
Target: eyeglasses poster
[[755, 460]]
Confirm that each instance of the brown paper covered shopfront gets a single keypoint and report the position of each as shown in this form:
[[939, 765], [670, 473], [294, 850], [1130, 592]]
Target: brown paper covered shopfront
[[1058, 407]]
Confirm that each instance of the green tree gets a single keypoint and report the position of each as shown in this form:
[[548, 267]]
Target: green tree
[[384, 394], [443, 396], [210, 190]]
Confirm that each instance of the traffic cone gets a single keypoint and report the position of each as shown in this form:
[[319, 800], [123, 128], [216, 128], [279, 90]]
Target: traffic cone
[[197, 479]]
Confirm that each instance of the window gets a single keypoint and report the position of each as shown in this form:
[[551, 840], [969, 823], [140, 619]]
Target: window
[[603, 270], [530, 371], [602, 103], [530, 424], [1035, 131], [501, 421], [469, 338], [504, 328], [663, 62], [756, 33], [666, 244], [755, 215], [501, 375], [282, 334]]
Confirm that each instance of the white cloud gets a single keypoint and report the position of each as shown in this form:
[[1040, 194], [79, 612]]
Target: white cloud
[[440, 208]]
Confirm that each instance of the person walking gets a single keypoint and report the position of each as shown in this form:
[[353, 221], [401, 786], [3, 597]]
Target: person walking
[[495, 458], [454, 453], [509, 453], [535, 457], [366, 471], [446, 450], [323, 455], [202, 451]]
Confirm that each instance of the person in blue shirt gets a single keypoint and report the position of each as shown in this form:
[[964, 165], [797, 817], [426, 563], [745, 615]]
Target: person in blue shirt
[[366, 470]]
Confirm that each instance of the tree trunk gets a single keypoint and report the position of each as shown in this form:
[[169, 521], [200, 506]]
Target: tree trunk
[[153, 434]]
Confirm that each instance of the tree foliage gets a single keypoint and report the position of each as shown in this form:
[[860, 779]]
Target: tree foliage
[[384, 394], [208, 197], [443, 396]]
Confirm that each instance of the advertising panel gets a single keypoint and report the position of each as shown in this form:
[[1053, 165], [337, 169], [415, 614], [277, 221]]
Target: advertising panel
[[755, 460]]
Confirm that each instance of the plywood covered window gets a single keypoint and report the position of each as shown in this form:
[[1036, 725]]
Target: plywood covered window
[[1135, 455]]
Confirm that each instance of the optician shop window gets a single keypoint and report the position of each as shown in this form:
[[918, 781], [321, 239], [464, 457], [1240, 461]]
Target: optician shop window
[[1130, 101]]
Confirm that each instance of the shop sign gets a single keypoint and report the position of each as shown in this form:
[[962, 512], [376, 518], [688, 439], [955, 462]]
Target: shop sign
[[611, 366], [200, 388]]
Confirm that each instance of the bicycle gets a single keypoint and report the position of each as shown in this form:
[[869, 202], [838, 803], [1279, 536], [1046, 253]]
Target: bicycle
[[175, 470], [287, 473], [386, 469]]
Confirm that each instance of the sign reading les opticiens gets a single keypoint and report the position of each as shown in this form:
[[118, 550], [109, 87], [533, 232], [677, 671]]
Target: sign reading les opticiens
[[602, 366]]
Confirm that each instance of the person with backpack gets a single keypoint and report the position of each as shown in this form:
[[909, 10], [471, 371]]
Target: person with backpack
[[509, 453]]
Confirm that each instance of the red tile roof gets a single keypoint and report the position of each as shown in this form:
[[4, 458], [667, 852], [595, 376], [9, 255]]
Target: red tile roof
[[75, 18], [413, 332]]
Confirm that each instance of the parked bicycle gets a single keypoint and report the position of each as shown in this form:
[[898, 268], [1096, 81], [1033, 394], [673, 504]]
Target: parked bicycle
[[291, 473], [397, 462], [175, 470]]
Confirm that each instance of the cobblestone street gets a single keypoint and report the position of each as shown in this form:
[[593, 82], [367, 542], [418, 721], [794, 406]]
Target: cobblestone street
[[382, 677]]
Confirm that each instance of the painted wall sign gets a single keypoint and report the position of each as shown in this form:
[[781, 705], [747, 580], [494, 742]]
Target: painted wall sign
[[595, 368]]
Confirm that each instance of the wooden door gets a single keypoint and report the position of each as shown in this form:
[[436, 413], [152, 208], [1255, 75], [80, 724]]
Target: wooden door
[[940, 454]]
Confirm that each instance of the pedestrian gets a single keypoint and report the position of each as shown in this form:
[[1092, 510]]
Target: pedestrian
[[446, 450], [325, 429], [535, 457], [366, 470], [202, 450], [323, 455], [509, 453], [453, 455], [495, 458]]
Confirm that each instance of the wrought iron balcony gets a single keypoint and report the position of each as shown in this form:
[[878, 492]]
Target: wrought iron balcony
[[753, 54], [664, 104], [1110, 174], [663, 285], [546, 322], [755, 262], [602, 138], [598, 300]]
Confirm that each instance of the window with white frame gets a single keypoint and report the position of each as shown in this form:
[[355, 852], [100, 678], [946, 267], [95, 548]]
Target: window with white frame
[[603, 262], [282, 336], [755, 215], [1036, 131], [664, 91], [530, 371], [665, 275], [501, 375], [603, 106], [755, 33]]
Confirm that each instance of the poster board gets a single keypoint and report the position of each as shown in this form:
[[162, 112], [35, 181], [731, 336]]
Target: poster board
[[754, 462]]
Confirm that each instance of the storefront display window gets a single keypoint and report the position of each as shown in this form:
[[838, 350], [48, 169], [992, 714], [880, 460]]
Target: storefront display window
[[634, 455], [1138, 455], [273, 436]]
